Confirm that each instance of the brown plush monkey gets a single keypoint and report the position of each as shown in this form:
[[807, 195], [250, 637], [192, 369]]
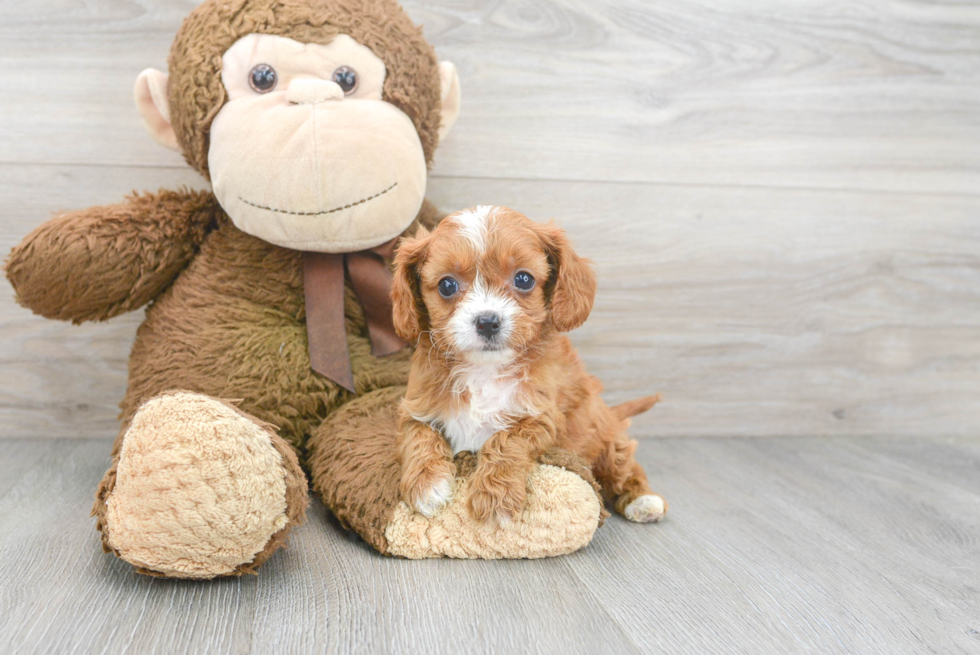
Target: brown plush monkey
[[315, 121]]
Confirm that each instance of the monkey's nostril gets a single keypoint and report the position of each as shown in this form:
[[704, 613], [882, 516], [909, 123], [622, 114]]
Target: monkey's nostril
[[487, 325], [305, 91]]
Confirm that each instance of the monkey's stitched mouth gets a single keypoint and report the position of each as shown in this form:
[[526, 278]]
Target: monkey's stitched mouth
[[329, 211]]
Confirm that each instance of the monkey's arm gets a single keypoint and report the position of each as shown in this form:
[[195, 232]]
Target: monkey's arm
[[96, 263]]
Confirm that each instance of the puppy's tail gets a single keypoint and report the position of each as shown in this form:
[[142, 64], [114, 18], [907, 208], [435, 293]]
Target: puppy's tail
[[634, 407]]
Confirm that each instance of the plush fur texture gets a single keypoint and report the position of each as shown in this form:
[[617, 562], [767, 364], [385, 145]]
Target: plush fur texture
[[233, 326], [451, 533], [208, 481], [359, 479], [230, 326], [96, 263], [510, 393], [196, 92], [227, 320]]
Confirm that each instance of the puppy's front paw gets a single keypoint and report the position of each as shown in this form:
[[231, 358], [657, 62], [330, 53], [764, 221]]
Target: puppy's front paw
[[646, 509], [431, 500], [427, 484], [503, 499]]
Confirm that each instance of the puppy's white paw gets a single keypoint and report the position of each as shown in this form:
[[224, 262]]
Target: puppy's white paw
[[646, 509], [437, 497]]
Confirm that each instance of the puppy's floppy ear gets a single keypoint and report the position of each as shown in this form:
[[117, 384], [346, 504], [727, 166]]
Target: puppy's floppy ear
[[408, 310], [572, 282]]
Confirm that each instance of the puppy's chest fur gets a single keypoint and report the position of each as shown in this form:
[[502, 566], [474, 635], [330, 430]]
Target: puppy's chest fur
[[487, 403]]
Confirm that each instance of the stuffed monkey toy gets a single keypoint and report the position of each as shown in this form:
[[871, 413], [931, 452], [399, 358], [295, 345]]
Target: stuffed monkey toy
[[267, 357]]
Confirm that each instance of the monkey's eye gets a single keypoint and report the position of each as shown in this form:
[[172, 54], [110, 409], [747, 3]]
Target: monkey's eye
[[524, 281], [262, 78], [346, 78], [448, 287]]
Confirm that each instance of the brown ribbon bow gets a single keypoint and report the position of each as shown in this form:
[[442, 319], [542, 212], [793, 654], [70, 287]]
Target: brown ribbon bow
[[323, 279]]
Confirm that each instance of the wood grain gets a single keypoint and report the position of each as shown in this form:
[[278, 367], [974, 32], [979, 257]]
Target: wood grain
[[863, 95], [782, 201], [762, 312], [791, 545]]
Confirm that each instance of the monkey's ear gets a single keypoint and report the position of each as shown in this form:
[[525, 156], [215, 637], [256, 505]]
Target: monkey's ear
[[154, 106], [450, 98], [408, 308]]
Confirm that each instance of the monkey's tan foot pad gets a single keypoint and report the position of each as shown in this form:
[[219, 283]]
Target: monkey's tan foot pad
[[562, 514], [201, 490]]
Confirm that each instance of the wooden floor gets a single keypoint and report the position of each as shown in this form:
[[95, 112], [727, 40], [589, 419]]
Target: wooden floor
[[791, 545]]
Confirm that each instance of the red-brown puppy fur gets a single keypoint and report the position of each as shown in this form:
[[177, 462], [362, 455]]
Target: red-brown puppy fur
[[488, 295]]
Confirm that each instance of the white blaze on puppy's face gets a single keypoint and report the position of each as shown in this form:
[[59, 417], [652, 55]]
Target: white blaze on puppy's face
[[481, 299], [483, 302], [473, 225]]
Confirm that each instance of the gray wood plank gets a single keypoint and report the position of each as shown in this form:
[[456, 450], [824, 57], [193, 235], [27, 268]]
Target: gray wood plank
[[812, 546], [794, 545], [755, 311], [880, 95], [327, 593]]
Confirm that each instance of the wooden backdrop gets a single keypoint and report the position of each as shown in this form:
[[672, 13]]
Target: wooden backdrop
[[783, 198]]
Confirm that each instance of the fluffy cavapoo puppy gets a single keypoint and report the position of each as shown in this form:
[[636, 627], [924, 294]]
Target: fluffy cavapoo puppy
[[488, 295]]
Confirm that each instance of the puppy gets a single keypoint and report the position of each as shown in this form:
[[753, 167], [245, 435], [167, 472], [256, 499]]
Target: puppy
[[488, 295]]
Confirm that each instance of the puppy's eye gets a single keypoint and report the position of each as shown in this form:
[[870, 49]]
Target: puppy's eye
[[346, 78], [448, 287], [262, 78], [524, 281]]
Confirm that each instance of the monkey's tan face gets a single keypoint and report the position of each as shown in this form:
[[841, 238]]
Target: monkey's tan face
[[305, 154]]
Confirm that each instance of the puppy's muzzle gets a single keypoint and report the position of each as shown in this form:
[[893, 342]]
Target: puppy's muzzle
[[487, 326]]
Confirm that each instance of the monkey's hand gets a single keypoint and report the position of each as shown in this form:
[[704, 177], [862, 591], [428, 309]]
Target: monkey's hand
[[96, 263]]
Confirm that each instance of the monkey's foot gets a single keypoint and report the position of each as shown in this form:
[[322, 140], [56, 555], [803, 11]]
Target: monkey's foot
[[561, 515], [200, 490], [355, 470]]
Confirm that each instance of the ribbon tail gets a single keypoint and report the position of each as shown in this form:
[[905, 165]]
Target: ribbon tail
[[371, 279], [323, 280]]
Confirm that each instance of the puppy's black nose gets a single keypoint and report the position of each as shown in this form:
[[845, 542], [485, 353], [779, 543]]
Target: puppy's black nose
[[487, 325]]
